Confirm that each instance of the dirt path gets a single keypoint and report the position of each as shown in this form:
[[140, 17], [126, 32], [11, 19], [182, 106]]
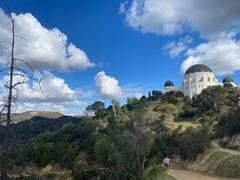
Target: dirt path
[[189, 175], [217, 147]]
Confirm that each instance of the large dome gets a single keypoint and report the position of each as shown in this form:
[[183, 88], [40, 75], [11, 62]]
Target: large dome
[[198, 68], [168, 83]]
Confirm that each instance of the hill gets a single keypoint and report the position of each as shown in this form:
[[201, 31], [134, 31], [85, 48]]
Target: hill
[[18, 117], [132, 143]]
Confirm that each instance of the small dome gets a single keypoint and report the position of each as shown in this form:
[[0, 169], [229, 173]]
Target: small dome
[[168, 83], [228, 79], [198, 68]]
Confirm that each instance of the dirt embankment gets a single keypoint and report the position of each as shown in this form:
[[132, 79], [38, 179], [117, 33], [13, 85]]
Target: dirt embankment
[[218, 162], [190, 175]]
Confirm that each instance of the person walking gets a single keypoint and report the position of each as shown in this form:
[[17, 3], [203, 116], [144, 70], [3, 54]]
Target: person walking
[[166, 162]]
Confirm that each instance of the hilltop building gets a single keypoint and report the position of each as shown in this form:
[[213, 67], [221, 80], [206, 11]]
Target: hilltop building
[[168, 86], [228, 80], [197, 78]]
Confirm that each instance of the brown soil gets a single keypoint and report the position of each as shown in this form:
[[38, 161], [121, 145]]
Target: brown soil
[[190, 175]]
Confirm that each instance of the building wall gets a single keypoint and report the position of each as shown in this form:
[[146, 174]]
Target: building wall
[[194, 83], [169, 89]]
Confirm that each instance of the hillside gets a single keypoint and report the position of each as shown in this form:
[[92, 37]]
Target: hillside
[[36, 125], [18, 117], [132, 144], [218, 161]]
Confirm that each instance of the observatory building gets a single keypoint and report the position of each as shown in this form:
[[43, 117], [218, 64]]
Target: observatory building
[[228, 81], [197, 78], [168, 86]]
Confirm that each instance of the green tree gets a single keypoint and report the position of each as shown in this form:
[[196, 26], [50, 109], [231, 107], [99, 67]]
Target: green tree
[[229, 124], [193, 142], [156, 95], [97, 108]]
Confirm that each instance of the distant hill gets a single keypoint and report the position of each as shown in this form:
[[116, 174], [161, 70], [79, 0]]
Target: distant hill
[[18, 117], [29, 128]]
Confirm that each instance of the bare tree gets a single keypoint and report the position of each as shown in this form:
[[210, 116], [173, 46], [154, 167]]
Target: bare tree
[[18, 72], [114, 108]]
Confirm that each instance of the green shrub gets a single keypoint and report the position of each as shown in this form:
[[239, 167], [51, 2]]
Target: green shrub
[[229, 124], [156, 172], [167, 108], [192, 143]]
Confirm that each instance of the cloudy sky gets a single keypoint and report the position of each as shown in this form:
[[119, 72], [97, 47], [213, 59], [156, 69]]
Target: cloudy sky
[[103, 50]]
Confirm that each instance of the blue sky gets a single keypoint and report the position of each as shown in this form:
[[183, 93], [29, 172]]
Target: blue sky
[[131, 42]]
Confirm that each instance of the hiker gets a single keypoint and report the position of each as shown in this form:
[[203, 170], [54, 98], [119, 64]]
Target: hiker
[[166, 162]]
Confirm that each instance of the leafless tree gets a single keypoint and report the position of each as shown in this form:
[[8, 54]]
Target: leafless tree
[[18, 72], [114, 107]]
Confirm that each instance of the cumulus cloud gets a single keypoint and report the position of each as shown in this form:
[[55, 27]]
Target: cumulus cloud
[[216, 21], [52, 94], [168, 17], [107, 86], [176, 48], [222, 55], [41, 47]]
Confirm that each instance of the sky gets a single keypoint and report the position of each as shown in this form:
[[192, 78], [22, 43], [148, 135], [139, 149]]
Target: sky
[[103, 50]]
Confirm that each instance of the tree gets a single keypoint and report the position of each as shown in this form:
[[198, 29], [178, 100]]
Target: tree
[[229, 124], [193, 142], [96, 109], [19, 72], [156, 94], [212, 98], [133, 103], [149, 95]]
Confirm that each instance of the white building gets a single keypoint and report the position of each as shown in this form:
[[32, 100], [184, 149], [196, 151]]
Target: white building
[[228, 80], [197, 78], [168, 86]]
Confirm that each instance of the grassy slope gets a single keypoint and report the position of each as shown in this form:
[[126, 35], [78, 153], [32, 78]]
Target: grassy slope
[[219, 162]]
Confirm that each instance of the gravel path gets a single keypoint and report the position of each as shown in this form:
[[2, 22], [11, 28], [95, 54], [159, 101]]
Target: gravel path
[[189, 175]]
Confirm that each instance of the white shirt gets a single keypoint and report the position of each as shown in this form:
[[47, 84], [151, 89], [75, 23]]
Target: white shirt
[[166, 161]]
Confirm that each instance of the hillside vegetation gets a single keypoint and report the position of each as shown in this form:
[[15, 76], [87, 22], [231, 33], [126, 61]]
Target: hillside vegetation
[[132, 144]]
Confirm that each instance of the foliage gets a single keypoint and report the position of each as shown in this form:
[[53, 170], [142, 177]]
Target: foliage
[[156, 95], [125, 146], [166, 108], [133, 103], [229, 124], [192, 142], [57, 150], [98, 109], [156, 172]]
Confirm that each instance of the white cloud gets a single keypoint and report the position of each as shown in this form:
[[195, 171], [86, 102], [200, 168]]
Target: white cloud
[[107, 86], [53, 94], [222, 55], [51, 89], [168, 17], [133, 90], [176, 48], [42, 48], [217, 22]]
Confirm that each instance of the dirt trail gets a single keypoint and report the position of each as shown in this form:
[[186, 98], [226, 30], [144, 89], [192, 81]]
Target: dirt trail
[[219, 148], [189, 175]]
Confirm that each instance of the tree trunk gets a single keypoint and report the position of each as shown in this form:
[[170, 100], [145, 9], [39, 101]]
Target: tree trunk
[[9, 106]]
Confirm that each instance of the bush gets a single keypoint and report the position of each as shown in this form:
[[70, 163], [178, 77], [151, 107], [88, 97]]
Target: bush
[[156, 172], [229, 124], [192, 143], [79, 170], [167, 108]]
